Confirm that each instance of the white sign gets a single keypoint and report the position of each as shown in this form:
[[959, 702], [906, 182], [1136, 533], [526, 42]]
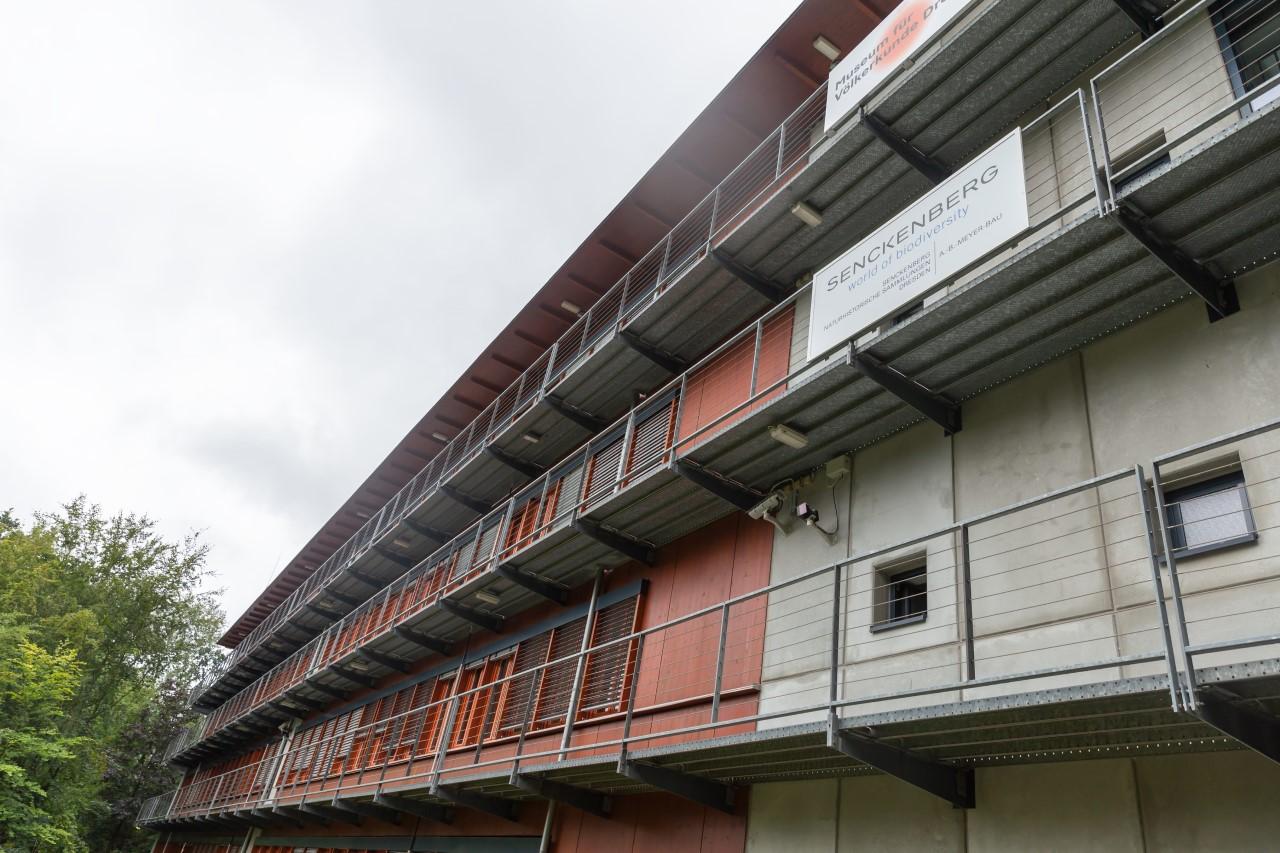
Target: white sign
[[980, 207], [898, 37]]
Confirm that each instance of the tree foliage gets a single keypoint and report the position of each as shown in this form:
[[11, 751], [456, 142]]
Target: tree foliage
[[103, 624]]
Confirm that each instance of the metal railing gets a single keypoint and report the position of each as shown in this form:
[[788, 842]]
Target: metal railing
[[1078, 585], [1060, 178], [1202, 72], [762, 173]]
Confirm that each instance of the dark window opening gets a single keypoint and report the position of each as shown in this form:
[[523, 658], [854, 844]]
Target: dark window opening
[[1249, 37], [1209, 515], [902, 597]]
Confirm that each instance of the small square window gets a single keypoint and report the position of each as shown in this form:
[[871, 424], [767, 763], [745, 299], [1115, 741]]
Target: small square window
[[1209, 515], [901, 596]]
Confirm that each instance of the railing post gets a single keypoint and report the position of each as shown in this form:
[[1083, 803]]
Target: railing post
[[623, 457], [720, 651], [1158, 584], [782, 144], [631, 699], [1189, 685], [1110, 200], [755, 359], [662, 267], [834, 686], [552, 355], [679, 413], [445, 736], [575, 697], [971, 665], [715, 211], [527, 719]]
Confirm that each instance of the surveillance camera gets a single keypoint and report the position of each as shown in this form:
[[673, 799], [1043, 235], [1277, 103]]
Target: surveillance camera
[[770, 505]]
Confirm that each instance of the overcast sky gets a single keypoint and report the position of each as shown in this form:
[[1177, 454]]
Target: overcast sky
[[245, 246]]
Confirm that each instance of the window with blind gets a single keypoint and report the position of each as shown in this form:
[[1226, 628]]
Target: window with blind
[[530, 681]]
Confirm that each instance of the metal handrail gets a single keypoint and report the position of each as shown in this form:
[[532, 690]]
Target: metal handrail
[[315, 654], [1118, 499], [642, 285]]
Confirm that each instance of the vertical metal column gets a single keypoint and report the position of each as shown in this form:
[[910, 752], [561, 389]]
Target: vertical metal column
[[631, 700], [720, 650], [970, 663], [527, 720], [755, 359], [580, 672], [1110, 200], [834, 687], [1189, 700], [1158, 584]]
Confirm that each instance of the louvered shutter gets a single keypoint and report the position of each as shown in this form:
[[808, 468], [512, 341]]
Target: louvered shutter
[[609, 669], [553, 697]]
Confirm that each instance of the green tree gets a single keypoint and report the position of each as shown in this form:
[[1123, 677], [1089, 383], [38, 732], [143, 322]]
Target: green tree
[[123, 611]]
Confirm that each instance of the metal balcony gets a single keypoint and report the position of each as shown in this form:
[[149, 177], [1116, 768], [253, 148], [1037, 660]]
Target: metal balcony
[[781, 683], [993, 65]]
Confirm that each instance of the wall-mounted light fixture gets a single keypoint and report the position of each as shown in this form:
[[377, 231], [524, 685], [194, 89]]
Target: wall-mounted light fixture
[[784, 434], [826, 47], [807, 213]]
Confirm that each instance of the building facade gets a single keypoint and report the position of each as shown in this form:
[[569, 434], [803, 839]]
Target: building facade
[[913, 491]]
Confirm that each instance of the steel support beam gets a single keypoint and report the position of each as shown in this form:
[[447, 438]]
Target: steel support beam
[[933, 170], [323, 612], [488, 621], [289, 711], [417, 808], [766, 287], [699, 789], [1219, 295], [351, 675], [580, 798], [1257, 730], [586, 420], [496, 806], [349, 600], [439, 536], [631, 548], [381, 659], [360, 577], [953, 784], [365, 809], [326, 813], [548, 590], [294, 815], [1147, 22], [471, 503], [399, 559], [665, 360], [520, 466], [931, 404], [735, 493], [274, 816], [327, 689], [426, 641]]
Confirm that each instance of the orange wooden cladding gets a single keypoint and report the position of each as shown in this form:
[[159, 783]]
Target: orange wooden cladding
[[725, 382]]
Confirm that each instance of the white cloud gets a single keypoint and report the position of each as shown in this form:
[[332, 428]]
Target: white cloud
[[241, 243]]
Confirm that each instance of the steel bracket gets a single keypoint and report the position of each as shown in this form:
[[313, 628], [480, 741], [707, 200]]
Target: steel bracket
[[426, 641], [699, 789], [351, 675], [520, 466], [360, 577], [1256, 730], [627, 546], [417, 808], [488, 621], [496, 806], [548, 590], [928, 166], [327, 689], [274, 816], [472, 503], [586, 420], [362, 809], [323, 612], [953, 784], [580, 798], [931, 404], [766, 287], [1219, 295], [735, 493], [665, 360], [1147, 22], [399, 559], [383, 660], [328, 813], [425, 530]]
